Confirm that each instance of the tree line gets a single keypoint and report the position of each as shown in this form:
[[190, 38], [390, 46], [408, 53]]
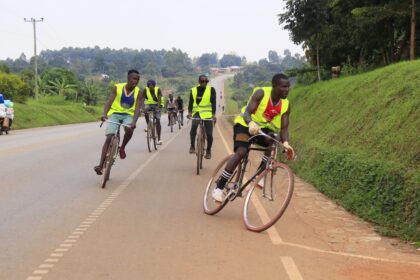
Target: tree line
[[353, 33], [87, 74]]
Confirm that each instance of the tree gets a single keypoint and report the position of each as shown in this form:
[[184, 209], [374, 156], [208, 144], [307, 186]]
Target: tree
[[306, 21], [13, 87], [273, 57], [207, 59], [230, 60], [62, 88]]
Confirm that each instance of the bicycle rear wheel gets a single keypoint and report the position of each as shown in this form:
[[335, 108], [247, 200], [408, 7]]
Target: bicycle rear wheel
[[109, 160], [154, 135], [199, 150], [211, 206], [263, 206], [149, 136]]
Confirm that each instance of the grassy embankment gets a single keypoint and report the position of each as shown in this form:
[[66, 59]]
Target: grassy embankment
[[53, 111], [358, 141]]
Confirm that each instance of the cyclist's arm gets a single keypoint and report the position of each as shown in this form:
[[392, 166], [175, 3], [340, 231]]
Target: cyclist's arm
[[136, 111], [284, 133], [190, 103], [142, 99], [159, 97], [213, 100], [109, 102], [253, 104]]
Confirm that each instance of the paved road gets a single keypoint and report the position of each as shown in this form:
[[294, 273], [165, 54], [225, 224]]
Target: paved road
[[57, 223]]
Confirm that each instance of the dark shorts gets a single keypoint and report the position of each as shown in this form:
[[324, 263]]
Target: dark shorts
[[241, 136]]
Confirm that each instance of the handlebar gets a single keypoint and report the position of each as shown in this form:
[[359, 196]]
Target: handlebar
[[262, 133], [117, 123]]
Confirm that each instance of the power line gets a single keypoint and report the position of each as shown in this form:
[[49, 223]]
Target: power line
[[34, 21]]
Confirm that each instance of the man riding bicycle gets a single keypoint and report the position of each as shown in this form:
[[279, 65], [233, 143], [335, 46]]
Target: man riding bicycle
[[123, 106], [171, 108], [202, 104], [268, 109], [150, 102], [180, 106]]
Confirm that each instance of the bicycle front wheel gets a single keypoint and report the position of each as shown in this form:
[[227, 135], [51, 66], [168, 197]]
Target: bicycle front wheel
[[109, 160], [211, 206], [179, 120], [199, 150], [171, 122], [268, 198]]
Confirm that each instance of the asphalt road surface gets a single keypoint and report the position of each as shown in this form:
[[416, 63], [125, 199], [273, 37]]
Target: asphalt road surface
[[57, 223]]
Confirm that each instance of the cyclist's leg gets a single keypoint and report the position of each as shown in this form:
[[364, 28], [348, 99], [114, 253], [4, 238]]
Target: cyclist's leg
[[158, 125], [182, 117], [193, 132], [109, 132], [209, 134], [241, 147], [127, 120], [264, 142]]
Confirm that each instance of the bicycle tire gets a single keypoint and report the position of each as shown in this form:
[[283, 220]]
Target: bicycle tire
[[199, 150], [171, 122], [263, 207], [154, 135], [109, 160], [203, 145], [210, 206], [149, 136]]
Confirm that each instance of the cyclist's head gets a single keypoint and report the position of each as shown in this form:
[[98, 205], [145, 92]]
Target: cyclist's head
[[281, 84], [151, 83], [203, 80], [179, 97], [171, 96], [133, 77]]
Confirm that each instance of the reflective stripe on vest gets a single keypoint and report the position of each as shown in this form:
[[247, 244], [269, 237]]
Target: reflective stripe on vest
[[116, 105], [149, 99], [258, 117], [204, 108]]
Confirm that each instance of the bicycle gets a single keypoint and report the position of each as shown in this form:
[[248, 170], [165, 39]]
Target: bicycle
[[179, 119], [151, 133], [263, 205], [112, 151], [200, 142], [172, 120]]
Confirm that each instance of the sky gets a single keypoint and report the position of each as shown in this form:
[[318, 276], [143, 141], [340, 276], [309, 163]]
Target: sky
[[246, 28]]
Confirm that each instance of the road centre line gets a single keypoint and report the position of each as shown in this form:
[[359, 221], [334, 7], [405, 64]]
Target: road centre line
[[97, 212], [308, 248]]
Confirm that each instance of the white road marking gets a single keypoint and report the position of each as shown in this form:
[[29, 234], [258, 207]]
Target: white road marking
[[281, 242], [84, 226], [291, 268]]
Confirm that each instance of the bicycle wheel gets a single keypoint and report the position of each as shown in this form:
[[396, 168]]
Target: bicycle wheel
[[199, 149], [203, 147], [211, 206], [109, 160], [149, 136], [154, 134], [179, 120], [171, 121], [263, 206]]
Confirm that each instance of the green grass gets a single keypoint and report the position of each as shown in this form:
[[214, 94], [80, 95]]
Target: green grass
[[358, 141], [53, 111]]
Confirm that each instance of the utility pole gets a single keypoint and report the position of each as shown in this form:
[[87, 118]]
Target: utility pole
[[34, 21]]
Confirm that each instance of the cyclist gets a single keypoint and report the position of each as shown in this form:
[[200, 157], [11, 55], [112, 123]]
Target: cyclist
[[268, 109], [123, 106], [202, 104], [180, 106], [171, 108], [151, 97]]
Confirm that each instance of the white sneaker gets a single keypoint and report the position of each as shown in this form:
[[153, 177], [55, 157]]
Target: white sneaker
[[218, 195], [260, 183], [145, 130], [159, 142]]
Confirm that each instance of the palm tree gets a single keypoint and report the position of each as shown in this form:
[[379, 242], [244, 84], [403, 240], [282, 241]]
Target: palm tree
[[90, 93]]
